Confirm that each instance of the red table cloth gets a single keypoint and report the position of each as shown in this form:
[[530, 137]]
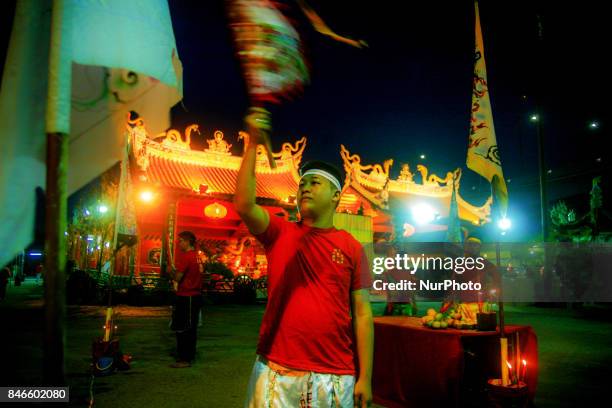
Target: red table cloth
[[416, 366]]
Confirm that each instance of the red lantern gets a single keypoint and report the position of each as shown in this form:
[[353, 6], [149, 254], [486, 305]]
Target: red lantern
[[215, 210]]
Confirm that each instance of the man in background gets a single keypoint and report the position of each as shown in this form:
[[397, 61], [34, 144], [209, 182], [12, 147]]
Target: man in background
[[5, 275], [398, 302], [185, 270], [487, 276]]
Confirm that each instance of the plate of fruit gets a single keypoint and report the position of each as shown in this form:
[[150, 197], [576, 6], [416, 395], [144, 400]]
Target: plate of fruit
[[458, 316]]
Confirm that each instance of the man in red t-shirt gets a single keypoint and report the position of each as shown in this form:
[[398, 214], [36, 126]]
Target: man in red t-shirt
[[186, 272], [487, 275], [402, 303], [316, 337]]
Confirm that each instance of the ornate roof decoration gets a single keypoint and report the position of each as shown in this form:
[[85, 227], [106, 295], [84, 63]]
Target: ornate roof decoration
[[218, 145], [173, 138], [169, 160], [373, 182]]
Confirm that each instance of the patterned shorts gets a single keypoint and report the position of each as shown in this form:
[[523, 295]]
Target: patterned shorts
[[272, 386]]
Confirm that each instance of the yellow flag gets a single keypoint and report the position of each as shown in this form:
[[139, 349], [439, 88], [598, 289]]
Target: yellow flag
[[483, 154]]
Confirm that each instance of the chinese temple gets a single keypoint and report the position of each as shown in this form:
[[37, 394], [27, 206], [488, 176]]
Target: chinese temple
[[174, 187], [370, 190]]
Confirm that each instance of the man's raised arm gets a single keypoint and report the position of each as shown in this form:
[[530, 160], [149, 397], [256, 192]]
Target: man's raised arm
[[253, 215]]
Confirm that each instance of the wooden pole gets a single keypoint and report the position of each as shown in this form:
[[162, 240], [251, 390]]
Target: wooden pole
[[542, 171], [57, 125], [55, 260], [503, 341]]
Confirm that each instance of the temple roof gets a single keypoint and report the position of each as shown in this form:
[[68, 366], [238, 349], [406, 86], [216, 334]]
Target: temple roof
[[372, 182], [169, 161]]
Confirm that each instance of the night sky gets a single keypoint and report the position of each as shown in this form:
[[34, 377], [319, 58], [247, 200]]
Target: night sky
[[409, 93]]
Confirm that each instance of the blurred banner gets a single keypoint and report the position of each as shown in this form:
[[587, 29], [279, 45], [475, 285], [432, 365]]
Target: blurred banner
[[112, 57]]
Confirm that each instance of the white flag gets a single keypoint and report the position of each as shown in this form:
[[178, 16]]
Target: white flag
[[112, 56]]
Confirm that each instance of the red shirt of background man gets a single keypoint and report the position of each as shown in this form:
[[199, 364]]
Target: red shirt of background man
[[488, 277], [311, 273], [187, 263]]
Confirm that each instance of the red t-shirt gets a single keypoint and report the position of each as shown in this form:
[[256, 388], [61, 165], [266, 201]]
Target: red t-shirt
[[488, 277], [311, 273], [187, 264]]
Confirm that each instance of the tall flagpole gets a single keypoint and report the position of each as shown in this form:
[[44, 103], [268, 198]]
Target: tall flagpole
[[483, 157], [56, 202], [542, 171], [540, 137]]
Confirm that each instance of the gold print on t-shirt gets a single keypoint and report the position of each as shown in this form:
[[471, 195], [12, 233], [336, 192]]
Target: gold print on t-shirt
[[337, 256]]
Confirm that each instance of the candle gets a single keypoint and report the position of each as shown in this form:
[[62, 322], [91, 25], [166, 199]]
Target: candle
[[517, 351], [504, 358], [524, 375], [510, 375]]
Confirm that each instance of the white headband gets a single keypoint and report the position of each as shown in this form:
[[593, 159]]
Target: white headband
[[325, 174]]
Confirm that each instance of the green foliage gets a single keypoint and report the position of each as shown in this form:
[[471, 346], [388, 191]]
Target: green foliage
[[87, 221], [560, 214]]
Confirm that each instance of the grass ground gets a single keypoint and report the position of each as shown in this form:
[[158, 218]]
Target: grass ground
[[575, 353]]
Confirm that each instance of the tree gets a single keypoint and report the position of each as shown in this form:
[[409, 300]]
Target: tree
[[90, 231]]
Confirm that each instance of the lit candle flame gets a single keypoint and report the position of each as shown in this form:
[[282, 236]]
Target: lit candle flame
[[510, 372]]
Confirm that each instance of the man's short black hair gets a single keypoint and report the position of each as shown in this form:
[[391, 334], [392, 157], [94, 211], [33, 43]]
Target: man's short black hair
[[322, 165], [188, 236]]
